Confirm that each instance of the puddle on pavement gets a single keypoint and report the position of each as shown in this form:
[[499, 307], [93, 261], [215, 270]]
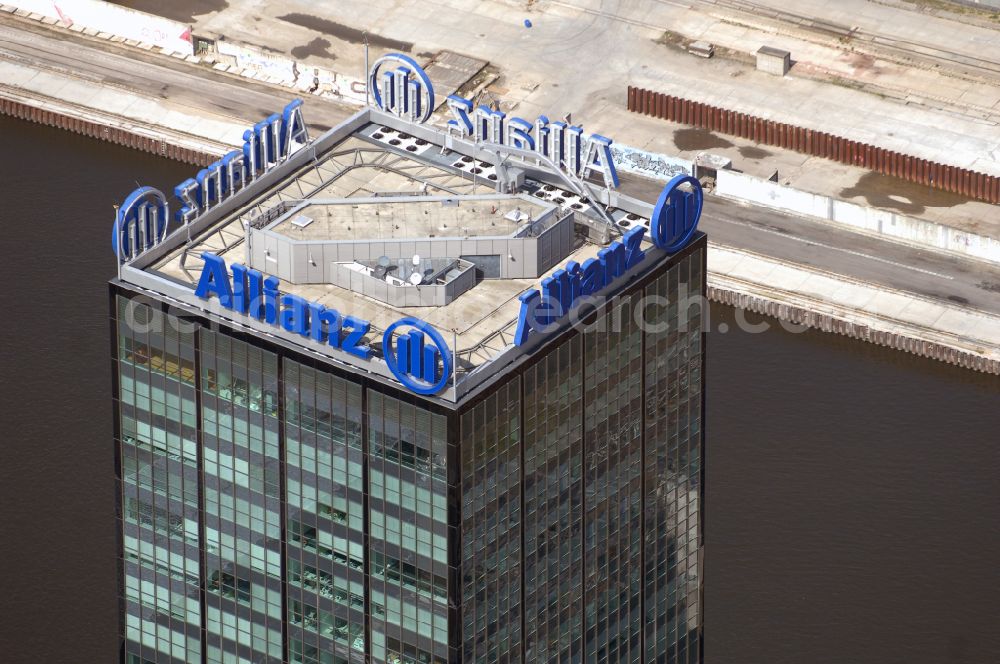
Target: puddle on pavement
[[991, 286], [696, 138], [752, 152], [317, 47], [885, 191], [176, 10], [345, 33]]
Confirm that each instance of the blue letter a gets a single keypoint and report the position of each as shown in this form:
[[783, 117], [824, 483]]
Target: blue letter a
[[215, 279]]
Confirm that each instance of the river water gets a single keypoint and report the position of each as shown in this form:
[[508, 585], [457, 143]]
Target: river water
[[853, 507]]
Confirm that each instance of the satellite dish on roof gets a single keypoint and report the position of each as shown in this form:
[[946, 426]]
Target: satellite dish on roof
[[416, 278], [383, 261]]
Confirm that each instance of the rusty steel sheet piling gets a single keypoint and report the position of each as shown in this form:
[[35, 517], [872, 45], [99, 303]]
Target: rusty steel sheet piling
[[974, 185], [116, 135]]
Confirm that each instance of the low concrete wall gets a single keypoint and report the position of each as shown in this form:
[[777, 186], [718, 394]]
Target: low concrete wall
[[310, 261], [743, 187], [428, 295], [104, 17], [649, 164], [275, 68]]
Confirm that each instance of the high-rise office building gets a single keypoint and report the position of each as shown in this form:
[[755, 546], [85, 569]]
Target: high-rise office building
[[408, 394]]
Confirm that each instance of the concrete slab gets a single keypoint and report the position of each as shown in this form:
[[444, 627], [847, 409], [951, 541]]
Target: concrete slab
[[956, 322], [80, 92], [17, 75], [450, 71], [851, 295], [887, 304]]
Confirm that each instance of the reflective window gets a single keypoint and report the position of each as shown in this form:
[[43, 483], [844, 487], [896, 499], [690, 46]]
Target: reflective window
[[673, 398], [408, 528], [159, 484], [491, 527]]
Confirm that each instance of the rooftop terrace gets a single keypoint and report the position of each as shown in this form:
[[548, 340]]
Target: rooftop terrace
[[349, 188]]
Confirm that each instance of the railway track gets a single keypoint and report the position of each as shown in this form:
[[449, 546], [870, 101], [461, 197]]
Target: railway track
[[907, 50]]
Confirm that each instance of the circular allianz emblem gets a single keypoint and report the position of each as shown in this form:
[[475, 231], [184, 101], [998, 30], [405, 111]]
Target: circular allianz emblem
[[397, 93], [676, 213], [141, 223], [419, 358]]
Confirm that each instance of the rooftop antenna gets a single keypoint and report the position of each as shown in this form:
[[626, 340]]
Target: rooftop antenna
[[118, 242], [364, 75], [475, 165]]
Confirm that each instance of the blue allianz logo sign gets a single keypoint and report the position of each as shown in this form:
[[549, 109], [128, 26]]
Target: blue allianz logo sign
[[673, 224], [268, 144], [541, 310], [419, 357], [248, 292], [405, 91], [141, 223], [676, 213]]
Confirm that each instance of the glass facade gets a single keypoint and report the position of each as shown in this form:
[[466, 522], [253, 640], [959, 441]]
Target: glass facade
[[613, 485], [159, 488], [325, 511], [491, 527], [673, 394], [581, 488], [408, 532], [274, 509]]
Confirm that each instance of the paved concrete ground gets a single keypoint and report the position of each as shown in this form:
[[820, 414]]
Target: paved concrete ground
[[542, 72], [145, 87], [160, 82], [812, 174], [605, 111], [579, 55]]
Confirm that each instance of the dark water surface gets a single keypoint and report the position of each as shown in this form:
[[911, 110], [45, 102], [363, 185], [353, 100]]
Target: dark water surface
[[853, 500]]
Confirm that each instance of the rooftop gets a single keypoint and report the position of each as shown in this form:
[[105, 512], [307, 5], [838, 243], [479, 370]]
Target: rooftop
[[392, 218], [386, 203]]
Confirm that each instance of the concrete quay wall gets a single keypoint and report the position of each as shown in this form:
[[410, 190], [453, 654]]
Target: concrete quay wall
[[834, 303], [828, 323]]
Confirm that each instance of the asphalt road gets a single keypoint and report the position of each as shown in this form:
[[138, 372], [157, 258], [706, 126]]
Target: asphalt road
[[795, 239], [175, 81], [828, 247], [824, 246]]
